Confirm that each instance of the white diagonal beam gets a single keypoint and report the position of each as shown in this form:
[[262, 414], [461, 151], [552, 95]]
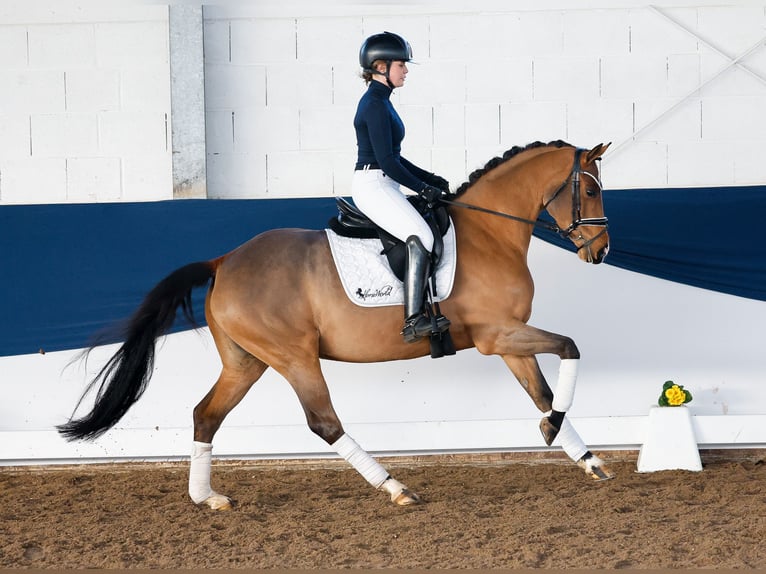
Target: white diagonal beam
[[699, 38], [731, 64]]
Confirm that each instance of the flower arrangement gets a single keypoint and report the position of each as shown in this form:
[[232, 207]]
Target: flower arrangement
[[673, 395]]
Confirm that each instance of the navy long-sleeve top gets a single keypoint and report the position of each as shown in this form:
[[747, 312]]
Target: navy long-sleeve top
[[379, 135]]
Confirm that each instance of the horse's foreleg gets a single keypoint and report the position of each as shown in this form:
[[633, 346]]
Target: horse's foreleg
[[527, 370], [228, 391], [311, 388], [522, 340], [551, 424], [518, 348]]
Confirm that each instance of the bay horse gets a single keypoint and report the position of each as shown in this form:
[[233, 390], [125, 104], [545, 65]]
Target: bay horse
[[277, 301]]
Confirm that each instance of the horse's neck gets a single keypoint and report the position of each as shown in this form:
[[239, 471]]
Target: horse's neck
[[528, 184], [510, 188], [493, 233], [517, 188]]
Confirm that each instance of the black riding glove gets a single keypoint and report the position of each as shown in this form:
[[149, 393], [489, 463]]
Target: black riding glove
[[438, 182], [430, 193]]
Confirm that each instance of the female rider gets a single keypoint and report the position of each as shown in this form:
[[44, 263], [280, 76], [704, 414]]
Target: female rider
[[381, 170]]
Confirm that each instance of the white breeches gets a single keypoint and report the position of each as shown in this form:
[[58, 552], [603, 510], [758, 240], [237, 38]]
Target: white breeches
[[379, 198]]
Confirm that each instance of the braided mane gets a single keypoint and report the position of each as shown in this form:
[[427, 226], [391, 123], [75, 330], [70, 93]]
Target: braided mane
[[496, 161]]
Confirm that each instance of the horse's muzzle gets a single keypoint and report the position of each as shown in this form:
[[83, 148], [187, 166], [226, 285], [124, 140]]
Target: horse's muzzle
[[586, 251], [601, 255]]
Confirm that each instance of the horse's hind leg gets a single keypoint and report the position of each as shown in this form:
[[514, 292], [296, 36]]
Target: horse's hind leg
[[311, 388], [240, 371], [527, 371]]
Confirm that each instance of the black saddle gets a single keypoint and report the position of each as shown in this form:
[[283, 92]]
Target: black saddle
[[350, 222]]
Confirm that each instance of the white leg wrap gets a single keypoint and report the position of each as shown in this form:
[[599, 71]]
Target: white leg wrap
[[393, 487], [199, 472], [367, 466], [570, 441], [565, 388]]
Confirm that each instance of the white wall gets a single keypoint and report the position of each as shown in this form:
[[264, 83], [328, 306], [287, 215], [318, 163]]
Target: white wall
[[634, 333], [85, 92], [282, 85], [84, 102]]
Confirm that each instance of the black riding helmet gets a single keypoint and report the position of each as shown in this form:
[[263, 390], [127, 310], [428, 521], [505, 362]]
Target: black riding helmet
[[387, 47]]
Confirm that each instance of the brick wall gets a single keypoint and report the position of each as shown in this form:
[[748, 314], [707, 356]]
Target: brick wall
[[84, 104], [85, 93], [282, 86]]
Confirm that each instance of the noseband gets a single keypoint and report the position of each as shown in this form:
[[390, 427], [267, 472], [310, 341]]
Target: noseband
[[577, 219]]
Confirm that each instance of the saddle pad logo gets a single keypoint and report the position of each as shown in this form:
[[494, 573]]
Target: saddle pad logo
[[367, 277], [384, 291]]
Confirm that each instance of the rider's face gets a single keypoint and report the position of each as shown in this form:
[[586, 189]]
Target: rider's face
[[397, 73]]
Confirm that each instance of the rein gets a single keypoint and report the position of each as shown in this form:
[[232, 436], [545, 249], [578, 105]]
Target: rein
[[577, 219]]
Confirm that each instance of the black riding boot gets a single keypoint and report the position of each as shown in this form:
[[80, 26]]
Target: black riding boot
[[416, 323]]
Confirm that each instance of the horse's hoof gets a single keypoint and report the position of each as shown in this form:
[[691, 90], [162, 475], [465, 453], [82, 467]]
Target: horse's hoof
[[218, 502], [400, 494], [549, 430], [405, 498], [595, 468]]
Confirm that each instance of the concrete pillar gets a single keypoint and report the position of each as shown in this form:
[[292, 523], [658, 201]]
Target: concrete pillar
[[187, 95]]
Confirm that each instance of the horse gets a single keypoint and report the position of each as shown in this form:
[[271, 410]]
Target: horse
[[277, 301]]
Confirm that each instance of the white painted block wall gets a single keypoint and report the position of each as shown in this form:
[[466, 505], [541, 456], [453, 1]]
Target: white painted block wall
[[85, 97], [282, 85], [84, 103]]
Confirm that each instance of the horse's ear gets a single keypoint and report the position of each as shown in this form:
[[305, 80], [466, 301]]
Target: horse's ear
[[597, 152]]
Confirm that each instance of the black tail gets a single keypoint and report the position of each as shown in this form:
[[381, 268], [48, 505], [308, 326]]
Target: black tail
[[125, 376]]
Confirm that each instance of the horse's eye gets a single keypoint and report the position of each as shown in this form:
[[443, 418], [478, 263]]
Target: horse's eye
[[591, 192]]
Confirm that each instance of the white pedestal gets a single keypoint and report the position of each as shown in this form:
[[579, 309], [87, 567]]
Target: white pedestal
[[670, 442]]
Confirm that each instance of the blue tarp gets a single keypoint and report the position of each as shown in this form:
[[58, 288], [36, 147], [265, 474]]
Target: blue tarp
[[706, 237], [70, 270]]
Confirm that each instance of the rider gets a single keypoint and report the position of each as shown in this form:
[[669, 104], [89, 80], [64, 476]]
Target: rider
[[380, 170]]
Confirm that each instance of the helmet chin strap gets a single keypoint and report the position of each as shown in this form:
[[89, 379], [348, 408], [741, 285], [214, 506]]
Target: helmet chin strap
[[386, 74]]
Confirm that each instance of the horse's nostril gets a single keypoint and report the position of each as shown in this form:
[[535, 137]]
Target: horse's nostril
[[602, 254]]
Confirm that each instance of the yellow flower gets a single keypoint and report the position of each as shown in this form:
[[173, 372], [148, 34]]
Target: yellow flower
[[675, 396]]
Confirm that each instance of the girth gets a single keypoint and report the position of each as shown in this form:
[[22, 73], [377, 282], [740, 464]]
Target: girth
[[350, 222]]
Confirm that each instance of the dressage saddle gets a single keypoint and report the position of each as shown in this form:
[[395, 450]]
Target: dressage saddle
[[350, 222]]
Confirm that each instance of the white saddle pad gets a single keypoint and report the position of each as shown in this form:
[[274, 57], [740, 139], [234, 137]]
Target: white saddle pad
[[367, 277]]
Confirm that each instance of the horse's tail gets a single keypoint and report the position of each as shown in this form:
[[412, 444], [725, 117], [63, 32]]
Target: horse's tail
[[125, 376]]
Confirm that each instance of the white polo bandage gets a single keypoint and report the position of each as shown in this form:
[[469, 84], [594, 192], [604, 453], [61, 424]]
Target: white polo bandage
[[570, 441], [393, 487], [199, 471], [565, 388], [367, 466]]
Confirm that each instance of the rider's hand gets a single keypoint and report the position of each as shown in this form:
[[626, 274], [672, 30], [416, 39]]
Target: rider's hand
[[439, 182], [430, 193]]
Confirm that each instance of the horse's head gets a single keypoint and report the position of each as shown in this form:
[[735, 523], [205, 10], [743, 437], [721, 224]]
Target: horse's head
[[577, 206]]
